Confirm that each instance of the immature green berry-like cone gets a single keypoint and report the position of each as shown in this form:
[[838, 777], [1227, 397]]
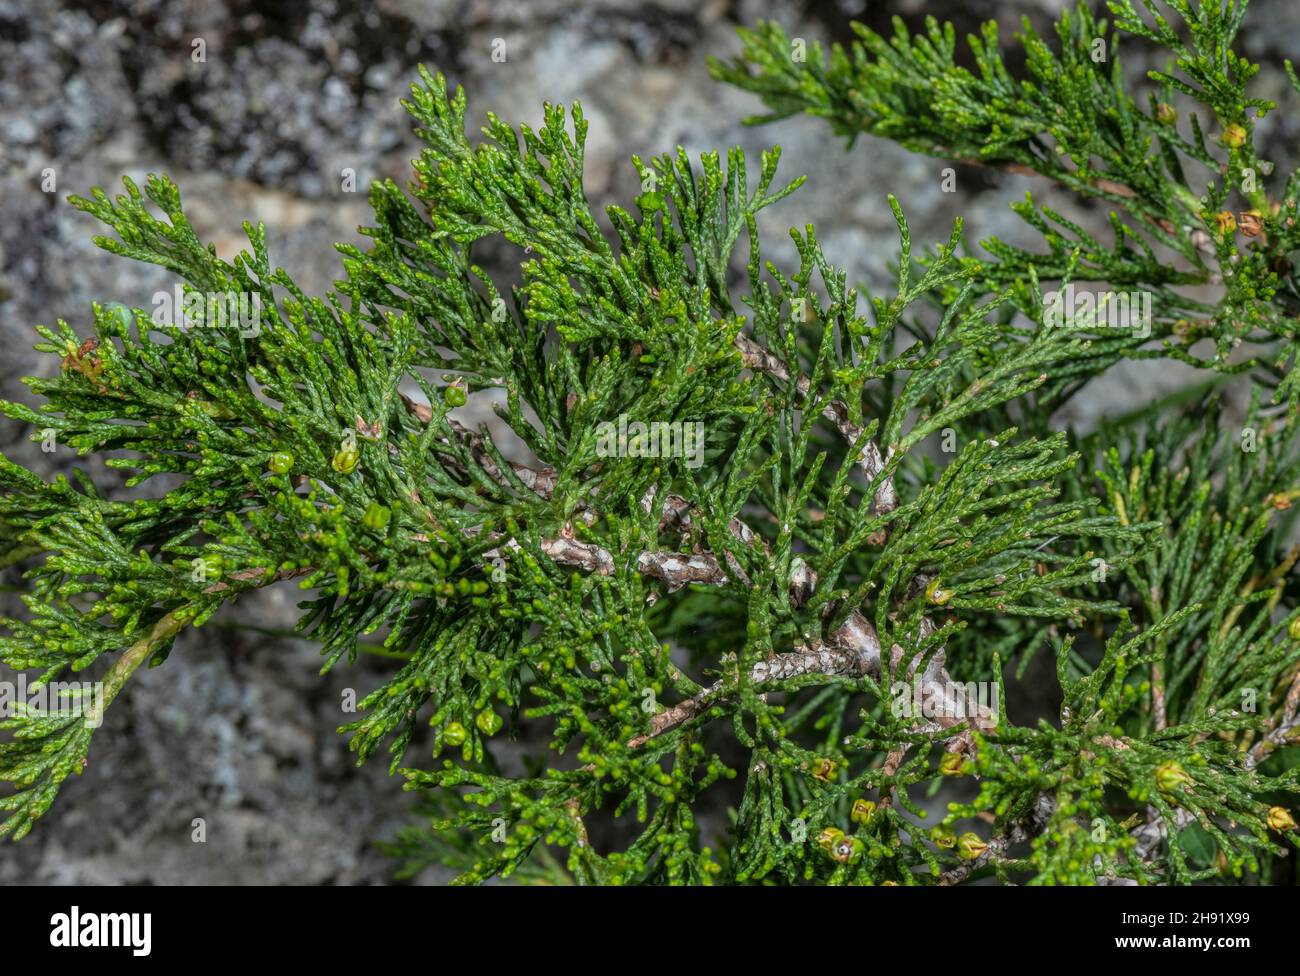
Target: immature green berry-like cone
[[952, 764], [824, 769], [345, 460], [943, 836], [970, 846], [828, 838], [847, 850], [1279, 818], [936, 594], [377, 516], [1234, 136], [488, 722], [1171, 777]]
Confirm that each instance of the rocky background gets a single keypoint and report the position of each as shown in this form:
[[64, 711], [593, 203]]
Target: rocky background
[[239, 729]]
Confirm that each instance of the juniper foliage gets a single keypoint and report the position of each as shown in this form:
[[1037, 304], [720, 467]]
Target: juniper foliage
[[605, 648]]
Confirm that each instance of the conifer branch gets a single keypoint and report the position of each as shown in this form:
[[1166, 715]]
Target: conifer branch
[[1283, 730], [571, 595], [869, 459], [853, 650]]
